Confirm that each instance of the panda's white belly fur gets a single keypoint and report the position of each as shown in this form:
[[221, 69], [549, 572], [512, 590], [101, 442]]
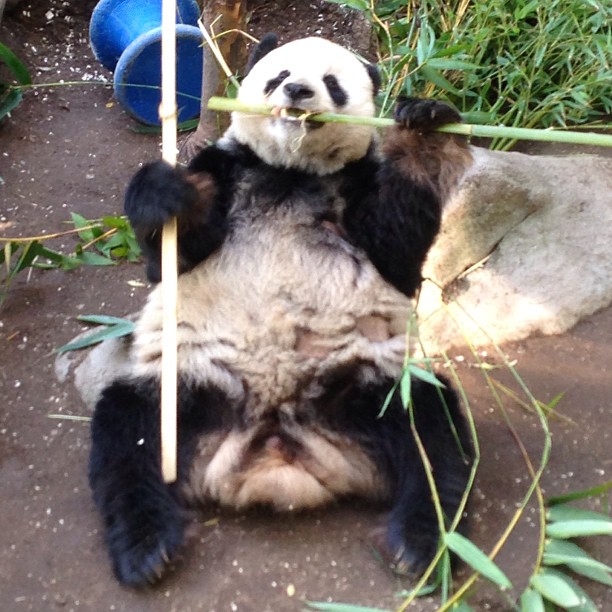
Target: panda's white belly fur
[[263, 321]]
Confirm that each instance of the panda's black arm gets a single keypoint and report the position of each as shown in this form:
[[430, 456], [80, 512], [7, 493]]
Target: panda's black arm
[[396, 218], [197, 196], [392, 219]]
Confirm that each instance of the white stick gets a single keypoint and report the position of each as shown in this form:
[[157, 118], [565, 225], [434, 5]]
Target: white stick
[[167, 113]]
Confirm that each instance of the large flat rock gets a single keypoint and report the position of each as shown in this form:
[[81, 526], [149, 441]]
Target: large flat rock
[[525, 248]]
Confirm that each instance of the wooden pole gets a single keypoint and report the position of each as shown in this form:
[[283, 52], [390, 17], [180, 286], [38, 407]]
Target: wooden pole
[[169, 260]]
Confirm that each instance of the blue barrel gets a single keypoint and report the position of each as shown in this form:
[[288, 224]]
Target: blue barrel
[[125, 36]]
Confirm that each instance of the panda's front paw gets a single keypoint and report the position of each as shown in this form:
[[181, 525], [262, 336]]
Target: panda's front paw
[[140, 554], [424, 115], [156, 193]]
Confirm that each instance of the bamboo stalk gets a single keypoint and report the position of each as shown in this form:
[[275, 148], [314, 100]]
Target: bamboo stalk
[[169, 259], [483, 131]]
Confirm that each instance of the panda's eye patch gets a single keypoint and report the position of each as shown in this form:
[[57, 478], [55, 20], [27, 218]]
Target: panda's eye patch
[[335, 90], [272, 84]]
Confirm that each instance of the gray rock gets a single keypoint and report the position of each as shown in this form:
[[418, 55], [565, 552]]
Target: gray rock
[[525, 248]]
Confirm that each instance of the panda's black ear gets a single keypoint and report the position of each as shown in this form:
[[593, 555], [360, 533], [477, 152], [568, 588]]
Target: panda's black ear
[[265, 45], [374, 76]]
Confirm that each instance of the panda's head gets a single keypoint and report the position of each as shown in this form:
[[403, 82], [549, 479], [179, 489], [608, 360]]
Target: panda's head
[[310, 75]]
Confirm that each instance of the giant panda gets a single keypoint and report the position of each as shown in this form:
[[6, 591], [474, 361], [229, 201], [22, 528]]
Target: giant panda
[[300, 253]]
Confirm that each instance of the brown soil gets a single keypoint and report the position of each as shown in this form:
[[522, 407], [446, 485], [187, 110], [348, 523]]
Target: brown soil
[[72, 149]]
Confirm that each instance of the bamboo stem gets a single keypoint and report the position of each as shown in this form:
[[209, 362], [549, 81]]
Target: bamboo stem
[[167, 113], [483, 131]]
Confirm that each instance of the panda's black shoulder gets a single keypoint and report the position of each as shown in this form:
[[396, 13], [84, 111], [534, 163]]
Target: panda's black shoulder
[[222, 160]]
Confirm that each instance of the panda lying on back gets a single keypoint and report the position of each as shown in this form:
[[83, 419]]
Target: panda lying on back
[[300, 245]]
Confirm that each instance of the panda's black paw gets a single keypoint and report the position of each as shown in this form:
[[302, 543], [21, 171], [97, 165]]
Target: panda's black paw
[[407, 552], [141, 554], [424, 115], [156, 193], [412, 556]]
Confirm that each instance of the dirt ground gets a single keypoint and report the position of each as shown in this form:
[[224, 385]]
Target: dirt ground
[[72, 149]]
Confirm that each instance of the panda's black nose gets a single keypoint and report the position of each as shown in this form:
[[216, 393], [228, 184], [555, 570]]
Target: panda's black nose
[[297, 91]]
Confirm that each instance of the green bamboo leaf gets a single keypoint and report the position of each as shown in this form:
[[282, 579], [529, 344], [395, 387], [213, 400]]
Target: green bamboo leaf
[[9, 100], [29, 253], [79, 221], [437, 79], [586, 603], [58, 260], [576, 529], [461, 48], [560, 552], [424, 375], [531, 601], [563, 547], [112, 242], [476, 559], [87, 233], [53, 256], [114, 331], [565, 512], [593, 572], [135, 251], [556, 588], [450, 64], [117, 222], [405, 388], [388, 400], [550, 406], [525, 10], [590, 568], [119, 252], [576, 495], [103, 319], [95, 259], [425, 43], [15, 65]]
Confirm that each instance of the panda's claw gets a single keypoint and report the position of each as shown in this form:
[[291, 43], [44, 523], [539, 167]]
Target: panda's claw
[[139, 568], [424, 115], [411, 562], [141, 559], [406, 554]]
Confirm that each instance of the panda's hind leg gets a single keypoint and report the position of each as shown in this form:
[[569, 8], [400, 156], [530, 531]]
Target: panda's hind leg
[[143, 519], [410, 537], [413, 530]]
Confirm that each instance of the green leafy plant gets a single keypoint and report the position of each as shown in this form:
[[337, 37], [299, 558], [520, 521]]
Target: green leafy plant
[[519, 63], [113, 327], [551, 582], [10, 95], [101, 242], [112, 238]]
